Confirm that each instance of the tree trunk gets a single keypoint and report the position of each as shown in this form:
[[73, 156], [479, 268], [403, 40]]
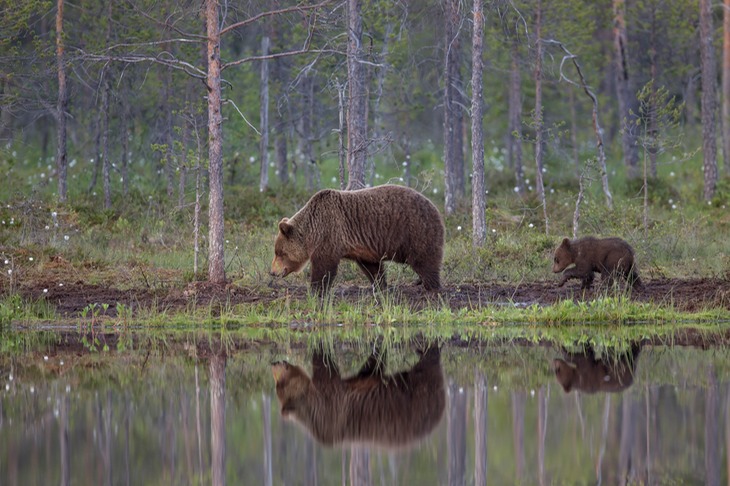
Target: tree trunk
[[538, 119], [481, 416], [268, 468], [216, 262], [264, 112], [61, 161], [518, 434], [306, 136], [515, 119], [360, 465], [453, 150], [341, 152], [456, 434], [217, 368], [707, 63], [574, 130], [106, 75], [478, 194], [281, 126], [624, 91], [106, 163], [167, 111], [726, 87], [712, 430], [357, 123]]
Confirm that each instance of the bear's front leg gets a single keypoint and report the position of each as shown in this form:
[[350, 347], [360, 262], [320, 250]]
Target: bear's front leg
[[574, 272], [324, 271]]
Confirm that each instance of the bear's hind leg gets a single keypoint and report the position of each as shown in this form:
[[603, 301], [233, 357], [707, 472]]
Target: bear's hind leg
[[375, 272], [429, 277]]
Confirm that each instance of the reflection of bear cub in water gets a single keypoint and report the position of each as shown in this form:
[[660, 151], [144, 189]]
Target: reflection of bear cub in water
[[583, 372], [370, 407], [368, 226], [609, 256]]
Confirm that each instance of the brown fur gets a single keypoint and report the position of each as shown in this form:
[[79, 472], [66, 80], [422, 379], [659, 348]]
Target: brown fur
[[583, 372], [609, 256], [370, 407], [368, 226]]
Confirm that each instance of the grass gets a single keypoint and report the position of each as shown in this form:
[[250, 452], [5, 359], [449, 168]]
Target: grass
[[146, 243]]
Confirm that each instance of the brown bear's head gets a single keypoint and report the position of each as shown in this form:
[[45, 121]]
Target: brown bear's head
[[563, 256], [565, 373], [290, 252], [292, 386]]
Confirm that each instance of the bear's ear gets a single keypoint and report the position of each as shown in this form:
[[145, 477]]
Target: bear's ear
[[565, 243], [285, 227]]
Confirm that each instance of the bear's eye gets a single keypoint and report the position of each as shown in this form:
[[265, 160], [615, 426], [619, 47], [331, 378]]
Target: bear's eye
[[556, 259]]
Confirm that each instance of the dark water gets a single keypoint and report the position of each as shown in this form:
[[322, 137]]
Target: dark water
[[166, 413]]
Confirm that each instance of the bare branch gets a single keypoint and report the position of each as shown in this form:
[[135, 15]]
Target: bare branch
[[163, 58], [243, 116]]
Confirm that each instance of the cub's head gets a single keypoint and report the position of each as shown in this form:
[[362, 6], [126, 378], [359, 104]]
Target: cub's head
[[563, 256], [292, 386], [290, 252], [565, 373]]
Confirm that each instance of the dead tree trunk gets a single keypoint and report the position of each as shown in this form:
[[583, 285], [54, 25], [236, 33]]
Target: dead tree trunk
[[538, 119], [453, 149], [624, 92], [61, 161], [514, 150], [726, 86], [357, 122], [264, 114], [707, 63], [106, 75], [478, 194]]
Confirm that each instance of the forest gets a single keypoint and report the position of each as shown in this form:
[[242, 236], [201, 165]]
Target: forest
[[149, 148]]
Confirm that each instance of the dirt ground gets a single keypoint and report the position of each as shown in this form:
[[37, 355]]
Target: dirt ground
[[71, 298]]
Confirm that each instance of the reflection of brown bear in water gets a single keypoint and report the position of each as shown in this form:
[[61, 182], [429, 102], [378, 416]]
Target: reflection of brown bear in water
[[609, 256], [370, 407], [368, 226], [583, 372]]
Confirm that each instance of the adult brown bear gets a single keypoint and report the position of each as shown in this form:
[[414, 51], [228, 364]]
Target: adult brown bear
[[371, 407], [584, 372], [609, 256], [368, 226]]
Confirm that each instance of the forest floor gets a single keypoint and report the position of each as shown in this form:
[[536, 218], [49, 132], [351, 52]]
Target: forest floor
[[70, 299]]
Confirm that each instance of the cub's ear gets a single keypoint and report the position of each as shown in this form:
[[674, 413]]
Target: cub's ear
[[565, 243], [285, 227]]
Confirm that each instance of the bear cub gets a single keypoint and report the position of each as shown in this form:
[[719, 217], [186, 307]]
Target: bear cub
[[609, 256], [584, 372], [371, 407], [368, 226]]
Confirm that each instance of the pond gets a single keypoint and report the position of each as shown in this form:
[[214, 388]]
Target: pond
[[211, 409]]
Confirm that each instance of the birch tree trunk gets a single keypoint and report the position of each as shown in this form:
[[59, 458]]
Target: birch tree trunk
[[726, 86], [106, 74], [624, 93], [357, 123], [61, 161], [707, 63], [479, 204], [538, 120], [515, 119], [264, 114], [216, 262]]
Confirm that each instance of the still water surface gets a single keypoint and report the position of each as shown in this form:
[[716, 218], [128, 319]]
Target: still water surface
[[412, 414]]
